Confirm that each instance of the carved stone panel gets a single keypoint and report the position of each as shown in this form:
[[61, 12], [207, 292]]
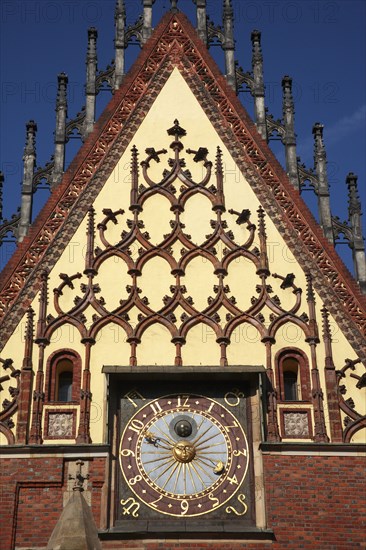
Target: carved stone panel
[[296, 424], [60, 424]]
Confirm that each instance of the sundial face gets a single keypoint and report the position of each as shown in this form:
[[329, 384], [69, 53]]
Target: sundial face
[[184, 455]]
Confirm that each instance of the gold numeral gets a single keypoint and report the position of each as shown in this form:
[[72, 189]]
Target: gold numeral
[[132, 395], [136, 425], [210, 407], [130, 507], [156, 501], [233, 479], [184, 506], [156, 407], [185, 402], [134, 480], [239, 453], [241, 499], [235, 425], [127, 452]]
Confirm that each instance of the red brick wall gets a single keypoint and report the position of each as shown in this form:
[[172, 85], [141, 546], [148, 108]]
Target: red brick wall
[[312, 503], [30, 489], [31, 498], [320, 502]]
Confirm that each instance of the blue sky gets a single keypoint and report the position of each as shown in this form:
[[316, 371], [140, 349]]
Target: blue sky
[[320, 43]]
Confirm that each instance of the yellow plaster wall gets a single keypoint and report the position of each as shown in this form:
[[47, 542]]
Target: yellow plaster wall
[[156, 347]]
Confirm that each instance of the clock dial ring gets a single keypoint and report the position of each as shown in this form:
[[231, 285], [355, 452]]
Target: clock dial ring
[[184, 476], [193, 448]]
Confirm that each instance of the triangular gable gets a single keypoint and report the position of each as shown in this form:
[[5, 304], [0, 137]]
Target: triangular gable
[[175, 44]]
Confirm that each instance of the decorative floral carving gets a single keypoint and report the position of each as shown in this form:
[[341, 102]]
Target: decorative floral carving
[[60, 425], [296, 424], [353, 378]]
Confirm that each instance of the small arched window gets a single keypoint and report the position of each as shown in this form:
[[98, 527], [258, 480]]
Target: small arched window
[[64, 382], [63, 376], [290, 386], [293, 376]]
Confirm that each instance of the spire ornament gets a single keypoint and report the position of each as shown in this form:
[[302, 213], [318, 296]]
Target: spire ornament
[[89, 256], [119, 43], [263, 268], [258, 84], [91, 75], [289, 138], [147, 20], [219, 182], [331, 381], [26, 381], [29, 163], [60, 133], [358, 243], [229, 44], [322, 190], [174, 4], [201, 20], [134, 179]]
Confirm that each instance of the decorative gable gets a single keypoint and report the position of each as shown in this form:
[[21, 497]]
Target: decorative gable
[[176, 316]]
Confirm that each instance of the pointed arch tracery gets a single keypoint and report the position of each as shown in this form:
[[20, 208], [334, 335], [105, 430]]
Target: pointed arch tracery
[[135, 249]]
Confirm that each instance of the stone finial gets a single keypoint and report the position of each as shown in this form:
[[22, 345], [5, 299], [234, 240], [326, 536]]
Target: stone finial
[[119, 43], [354, 203], [60, 132], [310, 295], [219, 171], [288, 101], [43, 302], [29, 163], [228, 9], [92, 40], [229, 43], [29, 326], [256, 46], [258, 84], [263, 268], [147, 20], [358, 243], [91, 77], [174, 4], [61, 100], [30, 142], [327, 338], [327, 335], [134, 178], [120, 10], [201, 19], [289, 138], [89, 254], [320, 162], [319, 149]]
